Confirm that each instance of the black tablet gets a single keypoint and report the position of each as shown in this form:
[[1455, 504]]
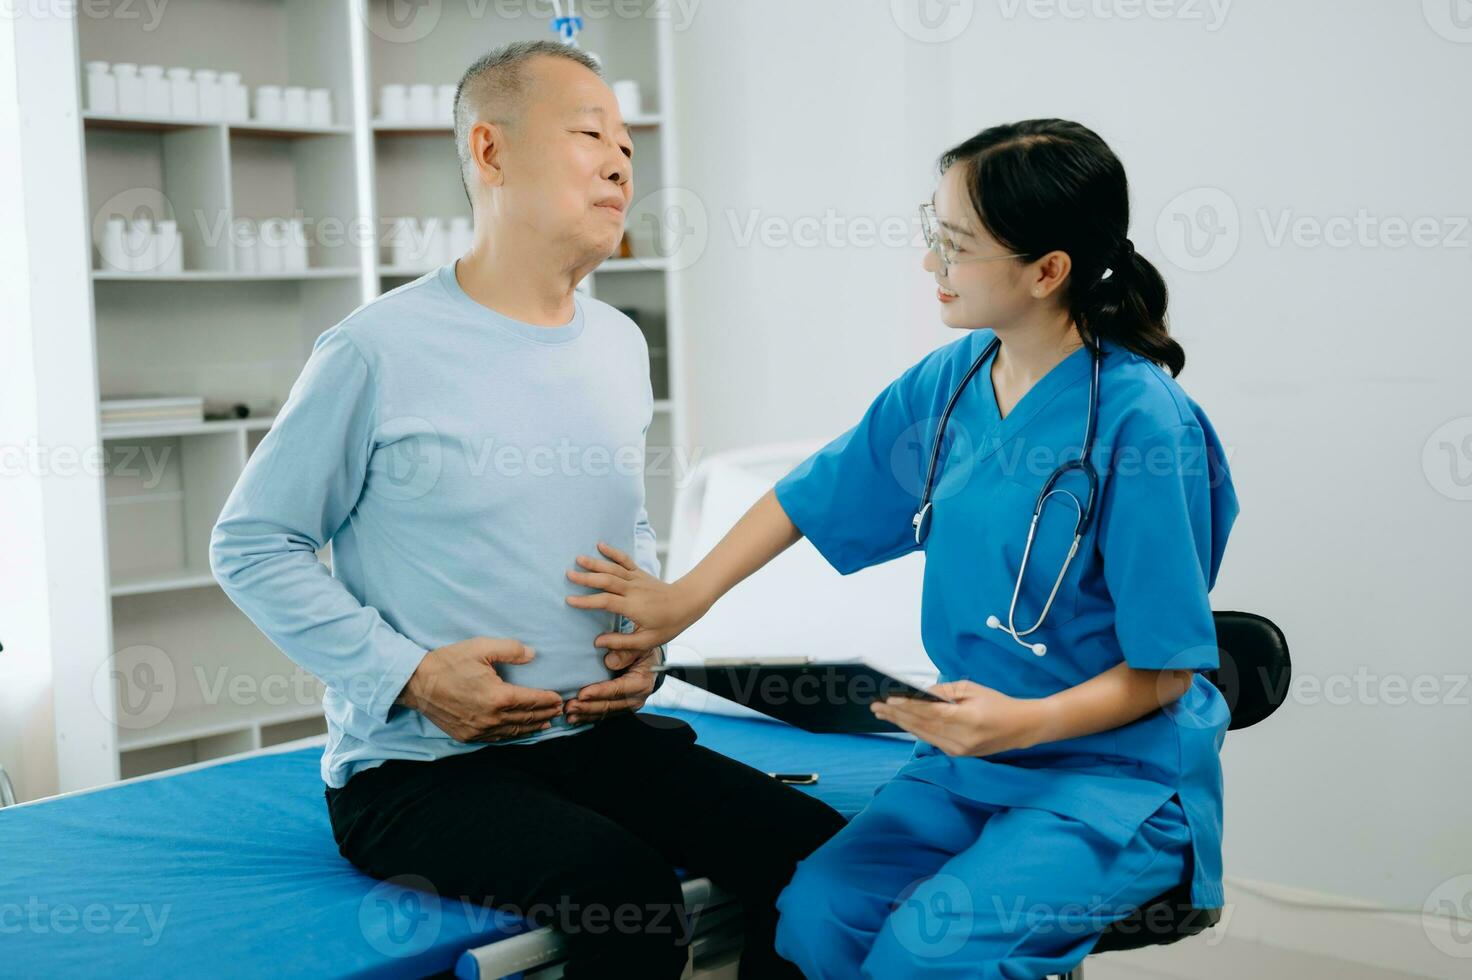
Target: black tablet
[[816, 697]]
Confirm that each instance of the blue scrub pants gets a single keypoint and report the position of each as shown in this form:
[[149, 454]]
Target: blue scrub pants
[[925, 883]]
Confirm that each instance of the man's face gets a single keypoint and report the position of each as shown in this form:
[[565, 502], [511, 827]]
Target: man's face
[[568, 163]]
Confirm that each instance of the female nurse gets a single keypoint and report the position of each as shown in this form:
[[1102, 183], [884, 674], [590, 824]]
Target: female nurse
[[1073, 773]]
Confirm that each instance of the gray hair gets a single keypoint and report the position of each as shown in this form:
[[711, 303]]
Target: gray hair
[[495, 88]]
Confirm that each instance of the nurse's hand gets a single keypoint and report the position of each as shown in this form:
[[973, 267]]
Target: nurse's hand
[[626, 692], [981, 721], [661, 610]]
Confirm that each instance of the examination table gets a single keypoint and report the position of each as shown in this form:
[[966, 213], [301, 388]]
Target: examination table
[[230, 870]]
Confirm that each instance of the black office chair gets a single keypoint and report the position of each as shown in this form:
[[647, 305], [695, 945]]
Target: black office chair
[[1253, 678]]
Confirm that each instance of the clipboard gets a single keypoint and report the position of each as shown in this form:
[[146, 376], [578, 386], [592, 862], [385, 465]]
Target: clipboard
[[825, 697]]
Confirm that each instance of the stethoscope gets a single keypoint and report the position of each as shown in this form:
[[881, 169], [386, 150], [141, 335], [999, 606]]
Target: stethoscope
[[921, 521]]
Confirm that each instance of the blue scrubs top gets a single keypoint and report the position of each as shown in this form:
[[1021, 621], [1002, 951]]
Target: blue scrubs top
[[1136, 592]]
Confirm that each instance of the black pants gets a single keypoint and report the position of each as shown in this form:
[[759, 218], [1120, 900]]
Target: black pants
[[583, 832]]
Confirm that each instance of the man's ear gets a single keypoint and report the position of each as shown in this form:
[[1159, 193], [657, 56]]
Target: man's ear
[[486, 142]]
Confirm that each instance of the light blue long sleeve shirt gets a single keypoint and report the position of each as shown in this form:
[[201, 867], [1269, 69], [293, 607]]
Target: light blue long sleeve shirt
[[458, 461]]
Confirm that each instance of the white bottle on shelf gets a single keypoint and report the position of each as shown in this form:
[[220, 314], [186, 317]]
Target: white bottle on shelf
[[272, 246], [170, 248], [421, 103], [183, 93], [294, 105], [319, 107], [626, 92], [156, 100], [393, 103], [247, 245], [294, 255], [141, 252], [445, 104], [131, 101], [102, 88], [112, 249], [237, 107], [211, 94], [269, 107]]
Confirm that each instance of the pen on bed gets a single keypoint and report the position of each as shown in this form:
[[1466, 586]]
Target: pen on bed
[[795, 778]]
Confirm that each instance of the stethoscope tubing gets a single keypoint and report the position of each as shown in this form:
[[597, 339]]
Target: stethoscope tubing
[[1085, 508]]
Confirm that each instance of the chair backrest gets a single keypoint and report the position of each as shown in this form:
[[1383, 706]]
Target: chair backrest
[[1255, 669]]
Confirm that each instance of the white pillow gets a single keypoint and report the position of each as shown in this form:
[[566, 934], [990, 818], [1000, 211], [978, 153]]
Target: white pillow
[[795, 606]]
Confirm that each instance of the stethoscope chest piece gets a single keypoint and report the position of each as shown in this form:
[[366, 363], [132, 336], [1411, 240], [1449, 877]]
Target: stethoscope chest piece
[[921, 523]]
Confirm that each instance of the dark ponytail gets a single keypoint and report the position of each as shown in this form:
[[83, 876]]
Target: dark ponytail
[[1045, 185]]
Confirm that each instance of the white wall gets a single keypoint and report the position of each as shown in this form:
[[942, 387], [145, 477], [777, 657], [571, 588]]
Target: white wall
[[1327, 370]]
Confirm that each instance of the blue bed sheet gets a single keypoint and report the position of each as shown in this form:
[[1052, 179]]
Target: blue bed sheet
[[231, 870]]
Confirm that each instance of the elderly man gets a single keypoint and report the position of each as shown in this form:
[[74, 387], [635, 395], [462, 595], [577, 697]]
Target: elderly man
[[458, 440]]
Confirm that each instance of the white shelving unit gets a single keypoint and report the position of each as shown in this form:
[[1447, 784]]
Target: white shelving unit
[[187, 677]]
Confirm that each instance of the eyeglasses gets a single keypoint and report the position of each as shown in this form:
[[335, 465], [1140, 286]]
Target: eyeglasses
[[945, 250]]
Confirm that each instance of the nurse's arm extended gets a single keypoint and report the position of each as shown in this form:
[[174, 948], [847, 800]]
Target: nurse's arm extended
[[664, 610], [983, 721]]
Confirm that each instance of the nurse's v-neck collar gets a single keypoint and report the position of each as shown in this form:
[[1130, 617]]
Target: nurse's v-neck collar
[[1060, 377]]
